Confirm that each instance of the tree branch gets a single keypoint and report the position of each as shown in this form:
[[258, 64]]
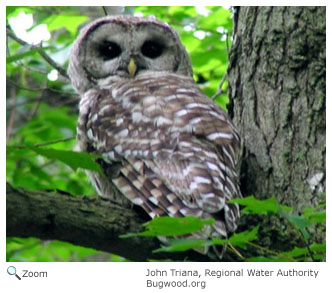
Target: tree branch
[[90, 222], [40, 51], [219, 91]]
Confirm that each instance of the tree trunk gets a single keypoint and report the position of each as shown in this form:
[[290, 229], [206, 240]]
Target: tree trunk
[[277, 91]]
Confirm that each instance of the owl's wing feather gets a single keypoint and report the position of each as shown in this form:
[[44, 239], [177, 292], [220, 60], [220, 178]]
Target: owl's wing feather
[[178, 148]]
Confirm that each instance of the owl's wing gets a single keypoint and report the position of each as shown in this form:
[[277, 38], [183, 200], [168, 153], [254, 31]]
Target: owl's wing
[[178, 149], [199, 166]]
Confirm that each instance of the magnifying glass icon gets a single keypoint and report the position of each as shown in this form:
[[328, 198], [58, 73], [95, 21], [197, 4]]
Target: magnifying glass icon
[[12, 271]]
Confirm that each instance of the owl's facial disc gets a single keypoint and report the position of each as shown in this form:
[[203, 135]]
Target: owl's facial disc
[[149, 49], [110, 47]]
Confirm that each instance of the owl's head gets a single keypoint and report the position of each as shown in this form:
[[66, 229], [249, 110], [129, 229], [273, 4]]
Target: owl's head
[[122, 46]]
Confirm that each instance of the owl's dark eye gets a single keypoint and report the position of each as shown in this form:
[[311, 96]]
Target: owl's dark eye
[[109, 50], [152, 49]]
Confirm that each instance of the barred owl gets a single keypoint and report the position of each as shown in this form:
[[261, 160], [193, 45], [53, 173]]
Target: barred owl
[[164, 145]]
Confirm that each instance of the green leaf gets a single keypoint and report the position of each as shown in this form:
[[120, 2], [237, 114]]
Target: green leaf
[[318, 247], [32, 249], [314, 215], [256, 206], [74, 160], [218, 17], [190, 42], [296, 252], [59, 117], [168, 226], [267, 259], [242, 238], [20, 56], [42, 175], [319, 257], [13, 11], [238, 239], [70, 22], [299, 222], [180, 12]]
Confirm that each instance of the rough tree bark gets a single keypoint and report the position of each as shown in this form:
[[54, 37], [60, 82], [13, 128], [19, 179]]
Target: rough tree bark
[[277, 89]]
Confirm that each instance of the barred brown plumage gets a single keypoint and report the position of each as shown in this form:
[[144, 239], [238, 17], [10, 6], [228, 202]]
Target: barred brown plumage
[[165, 146]]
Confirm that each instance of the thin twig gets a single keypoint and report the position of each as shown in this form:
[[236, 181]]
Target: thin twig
[[39, 89], [307, 246], [236, 251], [40, 51], [105, 11], [12, 116], [54, 141], [22, 87], [262, 248], [67, 102], [267, 250], [45, 143], [219, 91], [21, 63], [227, 45], [34, 108]]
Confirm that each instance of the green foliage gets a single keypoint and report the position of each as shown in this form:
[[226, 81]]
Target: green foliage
[[70, 22], [167, 226], [32, 249], [239, 239], [174, 227], [255, 206], [315, 214], [73, 159], [28, 52]]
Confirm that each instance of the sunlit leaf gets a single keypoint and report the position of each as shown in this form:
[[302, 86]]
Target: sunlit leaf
[[318, 247], [298, 221], [74, 160], [218, 17], [20, 56], [13, 11], [257, 206], [168, 226], [238, 239], [300, 252], [315, 215], [267, 259], [70, 22]]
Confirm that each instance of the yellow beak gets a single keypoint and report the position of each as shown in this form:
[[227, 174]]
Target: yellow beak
[[132, 67]]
